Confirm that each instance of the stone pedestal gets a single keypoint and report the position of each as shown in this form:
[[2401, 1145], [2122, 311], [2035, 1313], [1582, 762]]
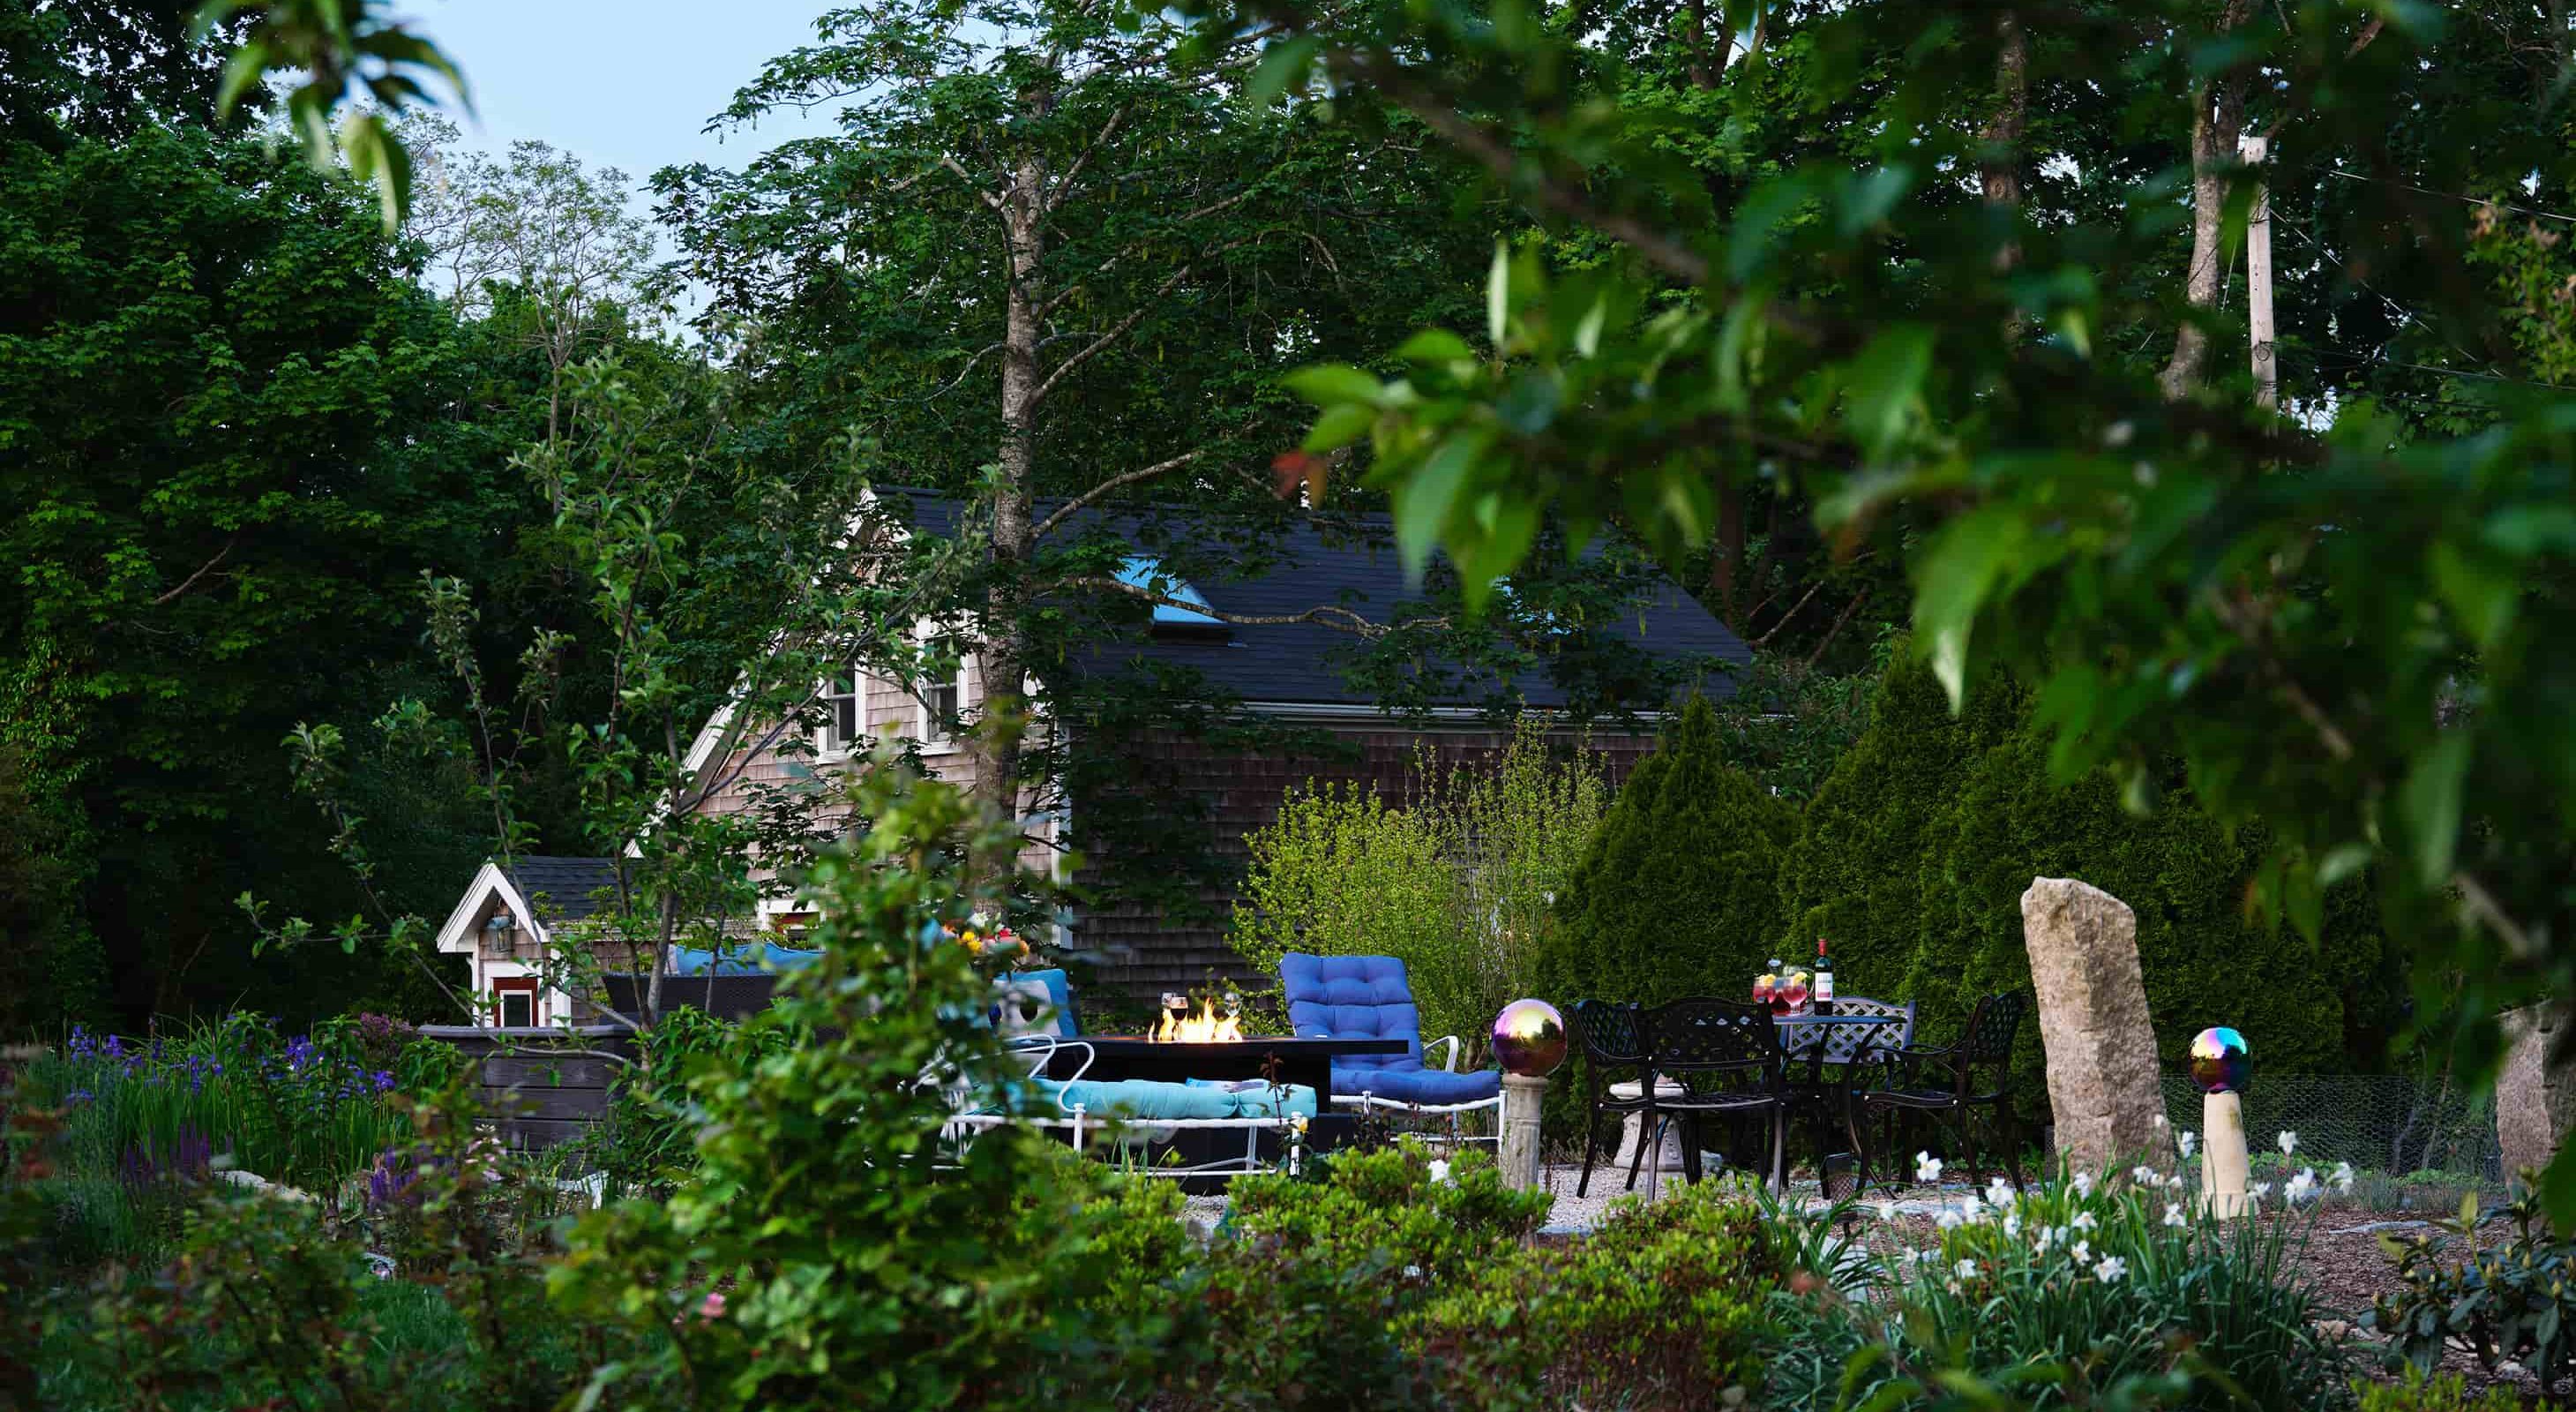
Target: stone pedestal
[[2535, 1101], [1667, 1157], [2224, 1163], [2102, 1090], [1522, 1095]]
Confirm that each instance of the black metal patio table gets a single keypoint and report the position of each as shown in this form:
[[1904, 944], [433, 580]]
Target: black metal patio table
[[1832, 1039]]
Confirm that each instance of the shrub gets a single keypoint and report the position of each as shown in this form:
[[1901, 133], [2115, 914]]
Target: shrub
[[2073, 1291], [2511, 1300], [1660, 1307], [2448, 1392], [830, 1248], [1678, 887]]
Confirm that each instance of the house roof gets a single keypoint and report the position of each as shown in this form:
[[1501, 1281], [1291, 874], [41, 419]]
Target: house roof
[[563, 889], [1302, 664]]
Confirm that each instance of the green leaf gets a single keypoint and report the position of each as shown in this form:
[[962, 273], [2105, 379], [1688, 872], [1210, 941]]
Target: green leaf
[[1335, 384], [2430, 803], [1498, 296], [1340, 425], [1424, 499], [2482, 593], [1887, 386], [1435, 345], [1961, 565], [1283, 66]]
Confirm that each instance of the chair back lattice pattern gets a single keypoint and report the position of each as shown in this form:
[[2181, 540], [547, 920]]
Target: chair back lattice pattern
[[1614, 1034], [1714, 1037], [1991, 1028]]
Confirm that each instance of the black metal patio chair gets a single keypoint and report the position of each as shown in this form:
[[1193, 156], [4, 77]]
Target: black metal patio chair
[[1614, 1043], [1949, 1083], [1726, 1059]]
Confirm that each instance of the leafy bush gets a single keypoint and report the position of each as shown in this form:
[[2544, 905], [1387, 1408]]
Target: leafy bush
[[1660, 1307], [642, 1144], [1677, 892], [2074, 1291], [830, 1247], [2506, 1301], [1460, 883]]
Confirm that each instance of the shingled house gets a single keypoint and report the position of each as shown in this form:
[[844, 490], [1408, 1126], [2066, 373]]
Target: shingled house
[[1293, 673]]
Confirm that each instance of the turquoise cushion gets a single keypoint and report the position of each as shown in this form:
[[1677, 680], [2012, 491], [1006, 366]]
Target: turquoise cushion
[[1059, 990], [1259, 1100], [1140, 1098]]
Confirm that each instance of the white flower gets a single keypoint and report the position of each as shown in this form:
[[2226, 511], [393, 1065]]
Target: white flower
[[2000, 1193], [1439, 1171], [2261, 1190], [2342, 1177], [1927, 1168], [1887, 1210], [1971, 1209], [2302, 1186], [2289, 1142], [2111, 1269], [2187, 1141], [1413, 1272], [1967, 1269], [2084, 1184], [2084, 1220], [2160, 1120], [2012, 1225], [2083, 1252], [2143, 1176], [2174, 1216], [1948, 1220]]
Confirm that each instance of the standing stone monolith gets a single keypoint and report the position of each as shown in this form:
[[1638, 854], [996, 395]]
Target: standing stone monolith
[[2101, 1052], [1519, 1154], [2535, 1099]]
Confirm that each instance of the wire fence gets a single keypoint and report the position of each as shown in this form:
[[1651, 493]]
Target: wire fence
[[2398, 1124]]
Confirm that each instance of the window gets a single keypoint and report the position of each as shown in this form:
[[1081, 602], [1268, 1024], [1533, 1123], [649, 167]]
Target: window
[[943, 697], [1148, 574], [842, 725], [515, 1001]]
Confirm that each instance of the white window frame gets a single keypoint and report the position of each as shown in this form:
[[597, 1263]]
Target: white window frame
[[834, 744], [933, 733]]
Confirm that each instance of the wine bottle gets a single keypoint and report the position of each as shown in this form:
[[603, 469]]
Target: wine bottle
[[1823, 993]]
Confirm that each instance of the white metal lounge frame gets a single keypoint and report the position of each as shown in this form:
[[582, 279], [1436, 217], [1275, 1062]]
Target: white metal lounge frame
[[1370, 1102], [1038, 1050]]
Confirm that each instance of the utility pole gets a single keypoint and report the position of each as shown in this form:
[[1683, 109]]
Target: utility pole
[[2258, 277]]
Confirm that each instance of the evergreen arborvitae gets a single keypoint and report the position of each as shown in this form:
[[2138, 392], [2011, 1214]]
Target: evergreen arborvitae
[[1678, 893], [1853, 875]]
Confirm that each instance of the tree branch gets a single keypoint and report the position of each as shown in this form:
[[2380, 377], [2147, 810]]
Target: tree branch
[[191, 580], [1114, 482], [1056, 190], [1119, 330]]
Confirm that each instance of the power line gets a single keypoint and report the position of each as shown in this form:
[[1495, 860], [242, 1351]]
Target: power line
[[2445, 195]]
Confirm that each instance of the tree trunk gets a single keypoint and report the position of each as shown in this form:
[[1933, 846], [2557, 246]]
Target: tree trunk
[[1004, 653], [2217, 117], [1999, 170], [1726, 557]]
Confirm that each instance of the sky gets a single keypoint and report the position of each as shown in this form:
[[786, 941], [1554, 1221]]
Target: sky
[[618, 83]]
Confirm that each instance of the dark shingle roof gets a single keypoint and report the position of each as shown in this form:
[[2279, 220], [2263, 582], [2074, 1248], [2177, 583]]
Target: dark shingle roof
[[1298, 663], [563, 889]]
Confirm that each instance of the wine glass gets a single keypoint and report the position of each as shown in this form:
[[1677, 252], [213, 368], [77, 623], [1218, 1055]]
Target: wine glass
[[1763, 986], [1792, 995]]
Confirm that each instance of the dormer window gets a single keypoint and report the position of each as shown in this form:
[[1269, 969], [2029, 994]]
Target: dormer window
[[1184, 610]]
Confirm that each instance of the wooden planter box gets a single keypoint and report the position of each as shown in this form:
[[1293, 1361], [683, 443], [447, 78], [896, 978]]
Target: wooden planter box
[[541, 1085]]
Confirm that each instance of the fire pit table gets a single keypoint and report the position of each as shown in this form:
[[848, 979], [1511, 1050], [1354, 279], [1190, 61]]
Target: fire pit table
[[1284, 1058]]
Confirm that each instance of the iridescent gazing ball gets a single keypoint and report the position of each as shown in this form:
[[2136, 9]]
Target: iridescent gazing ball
[[1529, 1037], [2218, 1061]]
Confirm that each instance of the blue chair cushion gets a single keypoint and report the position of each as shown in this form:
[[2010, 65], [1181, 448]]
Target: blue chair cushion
[[1143, 1099], [1255, 1099], [1426, 1086], [747, 960]]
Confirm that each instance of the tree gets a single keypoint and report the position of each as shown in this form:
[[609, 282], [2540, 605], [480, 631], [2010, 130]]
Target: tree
[[1680, 883]]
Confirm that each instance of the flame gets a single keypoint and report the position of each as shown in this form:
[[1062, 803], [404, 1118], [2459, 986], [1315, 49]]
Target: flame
[[1205, 1027]]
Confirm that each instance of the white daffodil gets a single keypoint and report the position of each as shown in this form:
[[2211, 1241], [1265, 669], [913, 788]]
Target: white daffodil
[[1439, 1171], [2342, 1177], [2289, 1142], [2261, 1190], [2084, 1184], [2187, 1143], [1948, 1220], [2174, 1216], [1967, 1269], [2301, 1187], [2111, 1268], [2143, 1175], [2012, 1225], [2083, 1252], [2160, 1120], [1971, 1209], [1927, 1168], [1999, 1193], [2084, 1221]]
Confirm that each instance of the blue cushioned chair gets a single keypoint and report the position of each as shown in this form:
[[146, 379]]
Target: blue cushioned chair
[[1367, 997]]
